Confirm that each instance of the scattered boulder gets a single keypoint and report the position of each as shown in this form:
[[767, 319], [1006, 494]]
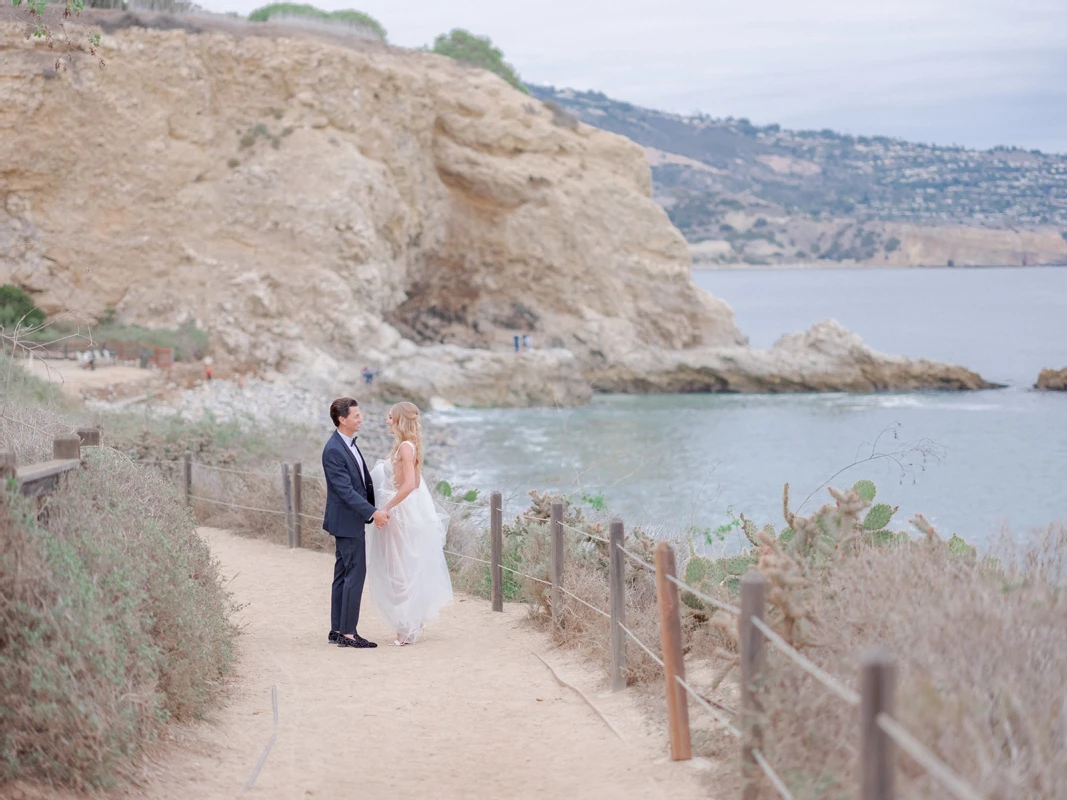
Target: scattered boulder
[[1053, 380]]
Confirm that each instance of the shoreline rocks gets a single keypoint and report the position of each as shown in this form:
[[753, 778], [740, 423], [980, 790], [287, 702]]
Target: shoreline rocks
[[1052, 380], [825, 358]]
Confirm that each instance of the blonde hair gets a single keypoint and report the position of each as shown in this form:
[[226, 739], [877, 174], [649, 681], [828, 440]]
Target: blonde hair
[[407, 428]]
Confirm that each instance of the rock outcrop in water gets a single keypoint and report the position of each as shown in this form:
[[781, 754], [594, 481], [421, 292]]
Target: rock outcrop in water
[[1052, 380], [826, 358], [320, 205]]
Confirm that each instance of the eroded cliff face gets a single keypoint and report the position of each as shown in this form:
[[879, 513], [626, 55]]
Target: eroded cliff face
[[316, 207]]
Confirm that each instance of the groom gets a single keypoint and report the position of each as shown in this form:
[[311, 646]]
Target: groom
[[349, 509]]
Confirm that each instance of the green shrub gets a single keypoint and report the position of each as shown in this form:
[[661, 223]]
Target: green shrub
[[112, 621], [346, 17], [477, 51], [18, 309], [892, 243]]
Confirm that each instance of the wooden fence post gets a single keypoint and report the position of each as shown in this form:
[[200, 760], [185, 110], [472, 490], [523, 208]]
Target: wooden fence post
[[187, 476], [877, 752], [617, 566], [287, 492], [90, 437], [496, 531], [753, 599], [298, 504], [8, 467], [670, 632], [67, 448], [556, 529]]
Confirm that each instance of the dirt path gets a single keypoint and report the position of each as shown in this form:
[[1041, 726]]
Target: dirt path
[[471, 711], [75, 380]]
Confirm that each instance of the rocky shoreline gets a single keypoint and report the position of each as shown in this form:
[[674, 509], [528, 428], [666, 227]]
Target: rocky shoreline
[[1052, 380], [261, 403]]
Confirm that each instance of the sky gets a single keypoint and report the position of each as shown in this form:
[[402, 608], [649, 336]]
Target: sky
[[972, 72]]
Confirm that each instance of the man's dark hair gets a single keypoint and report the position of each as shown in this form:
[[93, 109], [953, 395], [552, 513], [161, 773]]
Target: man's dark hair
[[339, 409]]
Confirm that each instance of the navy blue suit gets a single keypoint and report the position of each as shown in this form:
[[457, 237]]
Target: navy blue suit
[[349, 508]]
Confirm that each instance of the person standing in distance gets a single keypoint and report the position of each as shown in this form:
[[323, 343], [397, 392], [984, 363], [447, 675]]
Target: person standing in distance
[[349, 509]]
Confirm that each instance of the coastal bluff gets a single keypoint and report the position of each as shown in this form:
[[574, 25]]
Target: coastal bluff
[[319, 203]]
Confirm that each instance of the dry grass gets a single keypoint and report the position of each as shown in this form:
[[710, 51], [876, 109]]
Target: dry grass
[[982, 665], [586, 571], [113, 620], [979, 643], [261, 489]]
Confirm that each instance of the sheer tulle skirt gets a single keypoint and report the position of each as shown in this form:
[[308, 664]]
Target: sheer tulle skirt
[[406, 568]]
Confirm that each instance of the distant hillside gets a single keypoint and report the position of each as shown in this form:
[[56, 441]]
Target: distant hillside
[[760, 195]]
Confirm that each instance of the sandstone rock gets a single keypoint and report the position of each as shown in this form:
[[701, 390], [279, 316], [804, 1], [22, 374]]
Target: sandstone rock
[[825, 358], [469, 377], [1052, 380], [319, 205]]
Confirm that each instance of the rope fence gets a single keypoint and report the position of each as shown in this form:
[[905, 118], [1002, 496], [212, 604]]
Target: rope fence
[[469, 558], [231, 471], [235, 505], [772, 776], [586, 534], [925, 759], [712, 711], [821, 675], [879, 732], [636, 639], [636, 559], [711, 601]]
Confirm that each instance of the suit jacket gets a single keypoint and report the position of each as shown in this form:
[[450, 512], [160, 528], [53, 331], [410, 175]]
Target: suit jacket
[[349, 491]]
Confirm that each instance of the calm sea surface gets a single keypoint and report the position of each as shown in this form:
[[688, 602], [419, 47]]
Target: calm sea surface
[[970, 462]]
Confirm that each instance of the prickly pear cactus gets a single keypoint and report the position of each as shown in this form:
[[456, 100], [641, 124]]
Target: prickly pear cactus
[[959, 547], [879, 517], [708, 575], [866, 489]]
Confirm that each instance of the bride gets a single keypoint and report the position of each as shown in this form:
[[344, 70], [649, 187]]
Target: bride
[[406, 569]]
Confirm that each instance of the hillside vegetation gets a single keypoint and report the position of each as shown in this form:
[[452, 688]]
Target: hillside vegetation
[[113, 617], [771, 194]]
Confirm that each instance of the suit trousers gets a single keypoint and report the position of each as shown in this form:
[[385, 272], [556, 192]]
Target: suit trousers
[[349, 575]]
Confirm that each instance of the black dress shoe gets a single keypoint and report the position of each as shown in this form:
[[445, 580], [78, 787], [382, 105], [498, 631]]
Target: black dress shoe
[[334, 636], [358, 641]]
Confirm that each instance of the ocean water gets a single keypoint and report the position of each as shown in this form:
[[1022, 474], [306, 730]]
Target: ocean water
[[973, 463]]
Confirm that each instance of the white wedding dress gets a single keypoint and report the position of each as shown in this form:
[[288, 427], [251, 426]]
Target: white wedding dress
[[406, 569]]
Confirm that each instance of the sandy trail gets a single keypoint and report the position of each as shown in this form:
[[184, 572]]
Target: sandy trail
[[74, 379], [468, 712]]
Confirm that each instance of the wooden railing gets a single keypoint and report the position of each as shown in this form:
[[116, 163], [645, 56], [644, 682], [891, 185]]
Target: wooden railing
[[39, 480], [73, 346]]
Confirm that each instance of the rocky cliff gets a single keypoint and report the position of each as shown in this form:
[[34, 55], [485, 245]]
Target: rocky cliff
[[318, 205]]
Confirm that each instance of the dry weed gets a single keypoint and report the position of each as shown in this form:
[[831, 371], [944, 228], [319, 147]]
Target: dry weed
[[981, 658], [112, 621]]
